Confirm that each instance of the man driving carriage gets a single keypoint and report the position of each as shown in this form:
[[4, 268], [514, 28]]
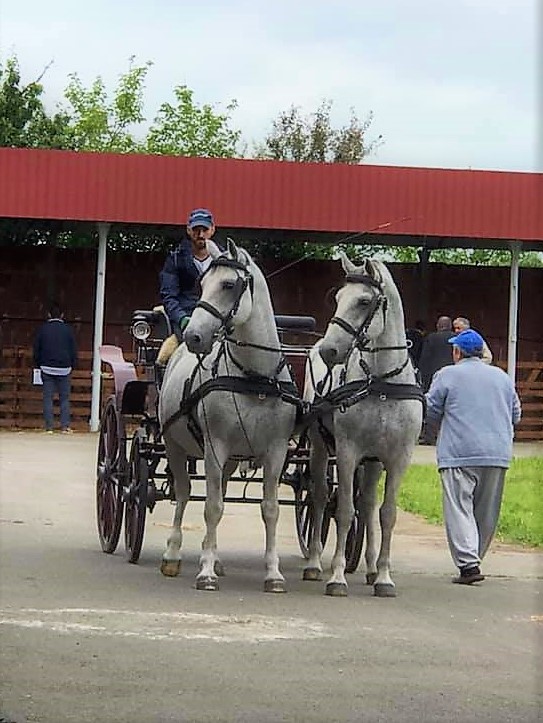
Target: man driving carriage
[[183, 268]]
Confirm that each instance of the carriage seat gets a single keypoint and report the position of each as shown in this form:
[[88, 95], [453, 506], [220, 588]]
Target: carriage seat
[[295, 323]]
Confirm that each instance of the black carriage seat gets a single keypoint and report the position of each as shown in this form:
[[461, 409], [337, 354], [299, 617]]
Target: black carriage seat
[[295, 323]]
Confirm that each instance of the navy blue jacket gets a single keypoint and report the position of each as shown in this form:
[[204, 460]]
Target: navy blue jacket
[[54, 345], [179, 288]]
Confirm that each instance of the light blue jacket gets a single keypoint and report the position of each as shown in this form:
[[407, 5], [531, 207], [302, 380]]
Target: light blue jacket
[[475, 406]]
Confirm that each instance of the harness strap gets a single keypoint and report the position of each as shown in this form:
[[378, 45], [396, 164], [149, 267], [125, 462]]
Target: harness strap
[[260, 387], [351, 393]]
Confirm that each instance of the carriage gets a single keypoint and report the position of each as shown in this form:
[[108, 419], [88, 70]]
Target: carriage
[[132, 470]]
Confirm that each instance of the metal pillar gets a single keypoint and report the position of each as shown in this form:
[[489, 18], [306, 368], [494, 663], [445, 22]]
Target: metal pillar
[[103, 229], [513, 311]]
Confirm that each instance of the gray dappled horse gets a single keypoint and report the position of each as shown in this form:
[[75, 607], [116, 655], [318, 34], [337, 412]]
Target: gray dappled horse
[[373, 412], [221, 399]]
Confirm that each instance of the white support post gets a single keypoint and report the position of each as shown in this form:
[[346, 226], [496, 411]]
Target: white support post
[[103, 229], [513, 311]]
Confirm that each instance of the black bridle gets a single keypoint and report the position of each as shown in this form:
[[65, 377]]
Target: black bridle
[[379, 300], [361, 339], [244, 281]]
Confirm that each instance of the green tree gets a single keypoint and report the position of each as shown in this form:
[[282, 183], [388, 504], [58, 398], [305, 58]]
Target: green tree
[[312, 138], [98, 123], [463, 257], [24, 122], [187, 129]]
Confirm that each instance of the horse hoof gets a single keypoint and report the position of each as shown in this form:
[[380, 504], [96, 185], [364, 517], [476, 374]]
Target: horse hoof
[[336, 589], [207, 583], [218, 567], [382, 589], [312, 573], [371, 577], [274, 586], [170, 568]]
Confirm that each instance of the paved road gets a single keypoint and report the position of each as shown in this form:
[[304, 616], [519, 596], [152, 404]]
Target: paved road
[[88, 637]]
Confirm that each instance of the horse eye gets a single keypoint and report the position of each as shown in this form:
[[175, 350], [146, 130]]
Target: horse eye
[[228, 285], [364, 302]]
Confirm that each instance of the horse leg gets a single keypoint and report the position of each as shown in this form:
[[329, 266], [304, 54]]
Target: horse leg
[[368, 477], [213, 511], [346, 467], [227, 472], [318, 467], [177, 460], [273, 466], [383, 585]]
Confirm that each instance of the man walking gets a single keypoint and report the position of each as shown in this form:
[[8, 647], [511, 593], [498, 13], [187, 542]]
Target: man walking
[[55, 354], [475, 407]]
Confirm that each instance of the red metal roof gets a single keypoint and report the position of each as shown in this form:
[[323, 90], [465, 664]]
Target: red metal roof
[[42, 184]]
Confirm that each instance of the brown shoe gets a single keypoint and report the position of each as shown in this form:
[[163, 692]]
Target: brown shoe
[[469, 575]]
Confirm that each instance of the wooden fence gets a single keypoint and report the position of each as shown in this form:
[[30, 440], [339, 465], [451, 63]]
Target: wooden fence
[[21, 405], [21, 401]]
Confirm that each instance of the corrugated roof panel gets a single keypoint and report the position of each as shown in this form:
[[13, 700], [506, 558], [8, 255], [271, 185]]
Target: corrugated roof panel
[[269, 194]]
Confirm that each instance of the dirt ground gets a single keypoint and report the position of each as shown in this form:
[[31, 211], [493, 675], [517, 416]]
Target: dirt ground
[[85, 636]]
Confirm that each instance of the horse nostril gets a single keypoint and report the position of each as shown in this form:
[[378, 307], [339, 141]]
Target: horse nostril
[[193, 340], [328, 354]]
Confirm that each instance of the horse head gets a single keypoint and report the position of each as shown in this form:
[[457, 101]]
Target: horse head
[[358, 318], [226, 299]]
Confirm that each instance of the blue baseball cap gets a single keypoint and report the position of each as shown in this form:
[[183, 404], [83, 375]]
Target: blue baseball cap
[[200, 217], [469, 341]]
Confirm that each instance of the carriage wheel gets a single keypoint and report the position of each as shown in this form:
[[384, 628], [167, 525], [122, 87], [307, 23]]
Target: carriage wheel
[[304, 512], [355, 536], [110, 476], [136, 499]]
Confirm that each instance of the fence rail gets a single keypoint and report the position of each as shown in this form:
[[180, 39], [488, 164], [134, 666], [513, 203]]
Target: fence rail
[[21, 401]]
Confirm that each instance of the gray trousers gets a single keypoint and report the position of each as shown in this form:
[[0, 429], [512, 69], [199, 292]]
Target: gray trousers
[[472, 498]]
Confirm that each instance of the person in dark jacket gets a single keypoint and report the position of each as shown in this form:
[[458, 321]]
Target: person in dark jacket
[[415, 335], [55, 354], [436, 351], [179, 288]]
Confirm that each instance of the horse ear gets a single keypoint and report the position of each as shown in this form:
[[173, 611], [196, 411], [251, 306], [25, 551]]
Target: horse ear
[[347, 264], [372, 270], [214, 250], [232, 249]]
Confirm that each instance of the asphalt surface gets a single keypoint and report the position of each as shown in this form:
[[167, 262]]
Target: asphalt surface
[[88, 637]]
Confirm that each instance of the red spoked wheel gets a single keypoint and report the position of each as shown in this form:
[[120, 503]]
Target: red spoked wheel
[[136, 498], [110, 477]]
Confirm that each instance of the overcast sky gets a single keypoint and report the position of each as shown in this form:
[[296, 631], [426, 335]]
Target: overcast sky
[[451, 83]]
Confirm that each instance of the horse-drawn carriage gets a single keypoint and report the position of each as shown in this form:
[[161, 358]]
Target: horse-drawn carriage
[[234, 395], [132, 470]]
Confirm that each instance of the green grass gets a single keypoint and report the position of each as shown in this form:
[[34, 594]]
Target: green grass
[[521, 517]]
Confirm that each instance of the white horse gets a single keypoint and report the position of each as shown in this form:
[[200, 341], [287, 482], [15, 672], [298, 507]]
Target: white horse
[[372, 413], [221, 398]]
